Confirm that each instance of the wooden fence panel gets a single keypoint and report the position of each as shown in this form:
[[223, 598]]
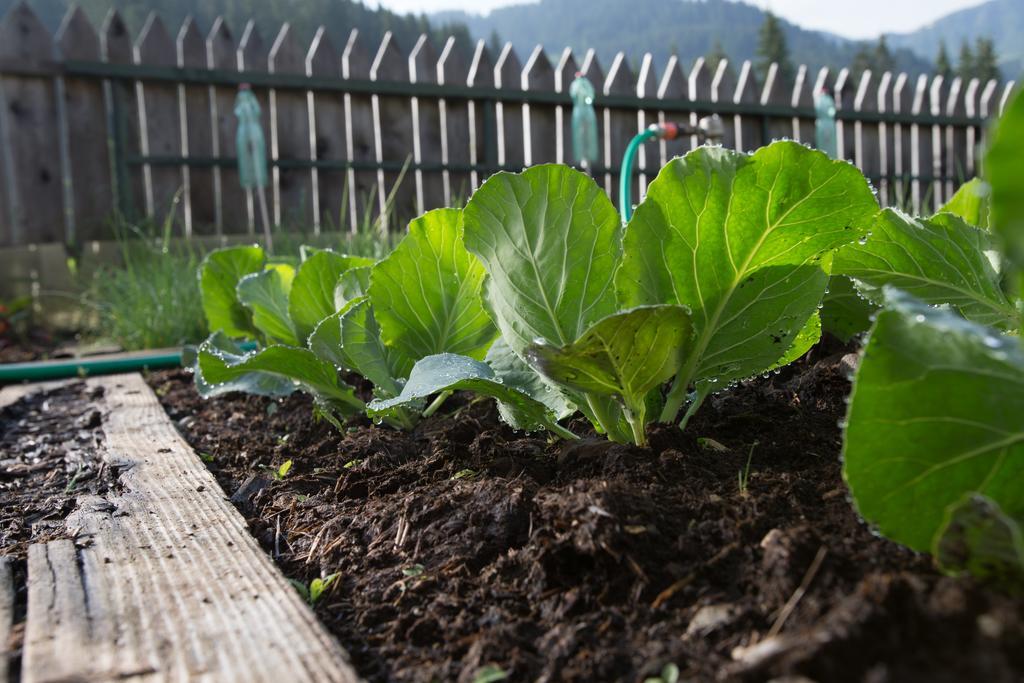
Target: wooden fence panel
[[426, 125], [392, 135], [229, 198], [565, 74], [938, 95], [196, 134], [28, 132], [647, 159], [508, 76], [776, 93], [619, 125], [902, 103], [803, 99], [289, 137], [747, 127], [326, 115], [452, 69], [253, 56], [674, 85], [866, 133], [356, 61], [723, 89], [698, 90], [539, 131], [160, 116], [956, 169], [482, 115], [159, 125], [89, 170]]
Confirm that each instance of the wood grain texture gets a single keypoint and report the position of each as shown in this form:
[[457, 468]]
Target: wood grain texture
[[6, 615], [163, 581]]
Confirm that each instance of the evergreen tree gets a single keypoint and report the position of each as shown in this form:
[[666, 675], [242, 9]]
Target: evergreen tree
[[965, 68], [772, 47], [715, 57], [986, 64], [882, 59], [943, 67]]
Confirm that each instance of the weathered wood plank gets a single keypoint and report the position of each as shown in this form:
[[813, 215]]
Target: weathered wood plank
[[6, 615], [392, 135], [123, 117], [674, 85], [292, 189], [160, 126], [538, 119], [648, 156], [230, 206], [28, 133], [453, 121], [196, 133], [507, 74], [359, 133], [327, 139], [619, 126], [163, 580], [89, 170], [481, 73], [426, 126]]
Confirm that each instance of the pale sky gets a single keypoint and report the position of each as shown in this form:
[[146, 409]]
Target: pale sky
[[850, 18]]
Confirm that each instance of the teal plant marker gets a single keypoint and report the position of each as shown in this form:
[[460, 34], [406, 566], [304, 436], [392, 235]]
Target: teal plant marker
[[825, 123], [251, 152], [584, 121]]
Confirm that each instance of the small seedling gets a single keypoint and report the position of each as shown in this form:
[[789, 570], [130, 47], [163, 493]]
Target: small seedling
[[743, 476], [464, 474], [315, 590], [490, 674], [206, 457], [669, 674], [709, 444], [413, 571], [353, 463], [282, 471]]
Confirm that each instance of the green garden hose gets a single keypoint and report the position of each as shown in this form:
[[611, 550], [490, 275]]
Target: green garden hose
[[626, 173]]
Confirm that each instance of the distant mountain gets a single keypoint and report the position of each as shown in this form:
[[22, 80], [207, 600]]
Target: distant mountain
[[691, 28], [1000, 20]]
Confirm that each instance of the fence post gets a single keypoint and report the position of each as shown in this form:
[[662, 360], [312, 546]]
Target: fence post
[[971, 107], [426, 124], [956, 138], [803, 98], [674, 85], [292, 188], [538, 119], [865, 133], [698, 90], [902, 103], [938, 94]]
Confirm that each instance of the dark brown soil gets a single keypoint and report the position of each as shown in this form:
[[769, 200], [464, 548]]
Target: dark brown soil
[[463, 544], [49, 455]]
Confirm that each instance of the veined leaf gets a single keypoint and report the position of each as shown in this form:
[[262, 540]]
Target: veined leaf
[[802, 343], [742, 241], [363, 346], [353, 284], [445, 372], [514, 372], [980, 539], [218, 278], [317, 377], [325, 342], [971, 203], [940, 260], [936, 412], [550, 241], [426, 293], [266, 295], [312, 295], [227, 351], [1002, 168], [623, 356], [844, 311]]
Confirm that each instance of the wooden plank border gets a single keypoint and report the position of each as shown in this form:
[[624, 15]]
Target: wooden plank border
[[163, 580]]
